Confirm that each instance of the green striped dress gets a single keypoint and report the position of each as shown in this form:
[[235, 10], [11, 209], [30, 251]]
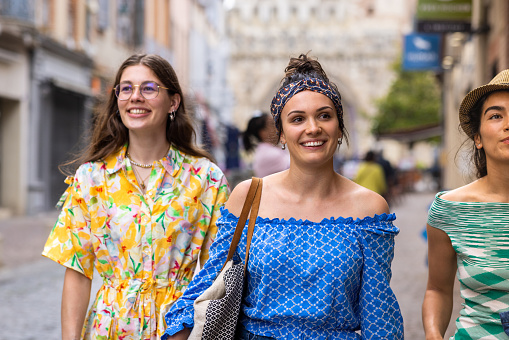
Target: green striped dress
[[479, 234]]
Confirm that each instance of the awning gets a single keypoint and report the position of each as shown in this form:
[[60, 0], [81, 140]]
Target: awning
[[414, 134]]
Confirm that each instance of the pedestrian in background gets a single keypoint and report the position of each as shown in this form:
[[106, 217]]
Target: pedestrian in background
[[261, 136], [468, 228], [390, 175], [371, 174], [321, 252], [141, 209]]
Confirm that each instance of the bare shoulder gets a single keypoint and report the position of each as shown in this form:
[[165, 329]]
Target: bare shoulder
[[365, 201], [466, 193], [237, 197]]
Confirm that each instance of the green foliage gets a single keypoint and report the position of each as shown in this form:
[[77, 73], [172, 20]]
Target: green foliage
[[413, 101]]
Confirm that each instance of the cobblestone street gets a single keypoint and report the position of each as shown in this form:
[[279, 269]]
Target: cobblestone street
[[30, 285]]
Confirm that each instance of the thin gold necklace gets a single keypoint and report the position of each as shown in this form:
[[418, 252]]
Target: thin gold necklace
[[146, 166], [140, 181]]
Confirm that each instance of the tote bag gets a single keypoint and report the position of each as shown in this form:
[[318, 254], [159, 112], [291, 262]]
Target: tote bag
[[217, 309]]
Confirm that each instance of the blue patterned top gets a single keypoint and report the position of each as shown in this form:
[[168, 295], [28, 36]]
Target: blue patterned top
[[307, 280]]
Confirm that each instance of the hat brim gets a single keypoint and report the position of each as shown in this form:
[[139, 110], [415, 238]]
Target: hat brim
[[471, 99]]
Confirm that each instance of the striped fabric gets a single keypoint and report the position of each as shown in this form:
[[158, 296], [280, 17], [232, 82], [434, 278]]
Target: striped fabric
[[479, 234]]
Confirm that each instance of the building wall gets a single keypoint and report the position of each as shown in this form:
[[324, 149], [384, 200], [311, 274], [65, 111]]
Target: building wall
[[14, 69], [209, 92], [477, 58], [179, 40], [60, 88], [14, 110]]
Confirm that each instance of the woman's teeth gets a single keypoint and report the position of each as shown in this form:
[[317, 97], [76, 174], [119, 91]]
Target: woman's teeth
[[138, 111], [313, 143]]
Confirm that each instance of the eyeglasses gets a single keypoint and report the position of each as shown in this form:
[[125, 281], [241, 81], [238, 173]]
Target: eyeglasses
[[148, 90]]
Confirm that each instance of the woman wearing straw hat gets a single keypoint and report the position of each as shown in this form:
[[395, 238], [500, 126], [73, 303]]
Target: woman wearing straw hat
[[468, 228]]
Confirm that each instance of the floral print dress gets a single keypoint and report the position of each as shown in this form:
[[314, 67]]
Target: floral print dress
[[145, 247]]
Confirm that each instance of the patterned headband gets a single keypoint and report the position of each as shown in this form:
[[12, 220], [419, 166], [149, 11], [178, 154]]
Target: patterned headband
[[312, 84]]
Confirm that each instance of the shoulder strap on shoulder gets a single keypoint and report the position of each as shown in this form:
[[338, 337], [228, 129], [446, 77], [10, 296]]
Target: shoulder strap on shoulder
[[252, 203]]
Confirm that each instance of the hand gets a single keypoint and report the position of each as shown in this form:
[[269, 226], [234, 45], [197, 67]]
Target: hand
[[182, 335]]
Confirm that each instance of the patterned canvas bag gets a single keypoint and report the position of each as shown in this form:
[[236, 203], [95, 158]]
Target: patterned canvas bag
[[217, 309]]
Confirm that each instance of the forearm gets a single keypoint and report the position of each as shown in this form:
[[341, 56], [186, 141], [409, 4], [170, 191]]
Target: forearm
[[75, 299], [436, 313], [438, 299]]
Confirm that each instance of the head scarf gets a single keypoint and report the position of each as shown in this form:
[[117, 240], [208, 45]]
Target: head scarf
[[312, 84]]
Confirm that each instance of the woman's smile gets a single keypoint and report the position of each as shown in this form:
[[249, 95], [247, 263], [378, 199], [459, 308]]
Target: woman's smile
[[313, 144], [138, 111]]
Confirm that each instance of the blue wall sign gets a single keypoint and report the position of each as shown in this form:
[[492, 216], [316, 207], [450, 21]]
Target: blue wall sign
[[422, 52]]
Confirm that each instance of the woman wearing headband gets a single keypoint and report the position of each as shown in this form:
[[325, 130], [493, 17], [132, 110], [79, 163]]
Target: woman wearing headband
[[141, 209], [468, 228], [319, 265]]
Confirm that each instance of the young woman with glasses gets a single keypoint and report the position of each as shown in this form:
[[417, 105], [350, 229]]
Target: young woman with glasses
[[141, 209]]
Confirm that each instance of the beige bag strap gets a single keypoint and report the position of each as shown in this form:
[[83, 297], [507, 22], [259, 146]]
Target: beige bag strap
[[252, 203]]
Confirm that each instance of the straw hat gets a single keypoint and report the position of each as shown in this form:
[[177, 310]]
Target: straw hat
[[500, 82]]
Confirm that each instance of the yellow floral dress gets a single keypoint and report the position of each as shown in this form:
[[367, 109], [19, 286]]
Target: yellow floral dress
[[145, 247]]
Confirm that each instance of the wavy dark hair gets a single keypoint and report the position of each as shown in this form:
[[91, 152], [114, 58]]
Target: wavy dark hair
[[478, 156], [304, 67], [109, 134]]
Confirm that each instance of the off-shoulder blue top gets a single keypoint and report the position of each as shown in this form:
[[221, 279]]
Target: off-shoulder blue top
[[307, 280]]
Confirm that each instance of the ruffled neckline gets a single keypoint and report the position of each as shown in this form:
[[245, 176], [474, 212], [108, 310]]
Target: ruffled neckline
[[367, 220]]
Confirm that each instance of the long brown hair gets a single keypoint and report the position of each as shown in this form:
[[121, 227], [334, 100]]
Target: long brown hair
[[109, 134]]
